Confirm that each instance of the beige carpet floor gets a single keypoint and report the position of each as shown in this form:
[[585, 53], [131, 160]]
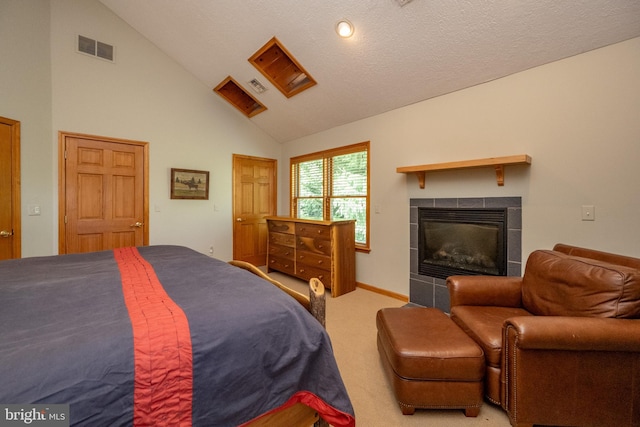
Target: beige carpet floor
[[352, 327]]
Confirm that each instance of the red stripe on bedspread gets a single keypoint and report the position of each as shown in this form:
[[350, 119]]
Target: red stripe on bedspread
[[328, 413], [163, 386]]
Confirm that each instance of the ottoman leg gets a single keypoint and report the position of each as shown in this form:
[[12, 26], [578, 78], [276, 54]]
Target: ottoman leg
[[406, 409], [471, 412]]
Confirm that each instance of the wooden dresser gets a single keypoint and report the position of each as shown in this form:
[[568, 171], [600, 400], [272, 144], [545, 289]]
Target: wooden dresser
[[307, 248]]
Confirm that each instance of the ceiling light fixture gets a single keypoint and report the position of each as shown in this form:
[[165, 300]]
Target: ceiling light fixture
[[344, 28]]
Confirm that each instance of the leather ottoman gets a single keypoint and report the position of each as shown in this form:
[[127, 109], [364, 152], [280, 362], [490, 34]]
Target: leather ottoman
[[430, 362]]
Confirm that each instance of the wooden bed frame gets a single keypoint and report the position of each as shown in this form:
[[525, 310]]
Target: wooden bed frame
[[298, 414]]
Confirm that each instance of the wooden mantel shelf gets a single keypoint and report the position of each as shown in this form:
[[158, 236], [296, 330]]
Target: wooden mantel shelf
[[496, 162]]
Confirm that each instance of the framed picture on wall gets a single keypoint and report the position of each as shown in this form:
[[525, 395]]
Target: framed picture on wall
[[189, 184]]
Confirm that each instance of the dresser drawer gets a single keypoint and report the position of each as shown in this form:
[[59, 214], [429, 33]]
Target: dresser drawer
[[313, 260], [282, 239], [313, 230], [282, 264], [314, 245], [305, 272], [281, 251], [281, 226]]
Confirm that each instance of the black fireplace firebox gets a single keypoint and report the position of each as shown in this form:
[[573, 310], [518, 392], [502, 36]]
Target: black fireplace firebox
[[465, 241]]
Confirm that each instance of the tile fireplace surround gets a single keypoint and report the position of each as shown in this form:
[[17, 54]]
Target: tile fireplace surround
[[432, 292]]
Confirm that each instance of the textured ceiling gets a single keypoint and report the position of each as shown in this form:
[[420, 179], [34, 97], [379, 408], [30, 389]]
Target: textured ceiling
[[397, 56]]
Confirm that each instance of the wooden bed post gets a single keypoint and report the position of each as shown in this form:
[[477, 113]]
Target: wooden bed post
[[318, 300]]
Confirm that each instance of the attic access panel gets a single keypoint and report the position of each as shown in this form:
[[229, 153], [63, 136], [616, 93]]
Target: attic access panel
[[281, 68], [230, 90]]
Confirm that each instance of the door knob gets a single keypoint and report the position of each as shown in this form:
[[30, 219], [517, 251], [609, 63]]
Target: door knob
[[5, 233], [239, 220], [137, 224]]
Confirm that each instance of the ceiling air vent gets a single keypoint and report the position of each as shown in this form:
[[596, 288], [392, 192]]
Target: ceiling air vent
[[96, 48], [257, 86]]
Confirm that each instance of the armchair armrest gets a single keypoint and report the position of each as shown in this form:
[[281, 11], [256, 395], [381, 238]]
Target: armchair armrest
[[552, 365], [573, 333], [499, 291]]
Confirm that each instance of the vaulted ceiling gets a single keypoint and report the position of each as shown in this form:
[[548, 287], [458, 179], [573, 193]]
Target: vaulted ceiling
[[398, 55]]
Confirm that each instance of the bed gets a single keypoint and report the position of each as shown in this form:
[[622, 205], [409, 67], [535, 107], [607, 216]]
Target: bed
[[161, 335]]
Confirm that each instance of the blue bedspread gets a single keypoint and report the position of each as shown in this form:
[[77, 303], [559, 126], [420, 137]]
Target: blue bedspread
[[66, 337]]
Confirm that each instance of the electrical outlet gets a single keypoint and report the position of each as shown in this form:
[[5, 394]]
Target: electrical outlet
[[588, 213]]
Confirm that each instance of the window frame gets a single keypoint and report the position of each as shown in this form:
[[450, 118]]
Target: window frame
[[326, 156]]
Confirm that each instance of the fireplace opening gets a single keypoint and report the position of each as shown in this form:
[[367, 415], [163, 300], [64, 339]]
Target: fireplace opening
[[462, 241]]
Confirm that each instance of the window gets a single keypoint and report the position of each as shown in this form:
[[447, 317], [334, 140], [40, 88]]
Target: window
[[333, 185]]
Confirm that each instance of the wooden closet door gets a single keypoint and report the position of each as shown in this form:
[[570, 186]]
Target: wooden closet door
[[105, 194], [254, 198]]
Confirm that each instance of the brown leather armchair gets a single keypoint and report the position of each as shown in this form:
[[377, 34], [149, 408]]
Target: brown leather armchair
[[562, 343]]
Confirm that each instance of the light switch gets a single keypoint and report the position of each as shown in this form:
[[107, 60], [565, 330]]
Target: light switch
[[34, 210]]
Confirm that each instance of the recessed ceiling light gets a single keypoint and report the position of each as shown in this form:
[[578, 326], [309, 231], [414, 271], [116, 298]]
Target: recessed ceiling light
[[344, 28]]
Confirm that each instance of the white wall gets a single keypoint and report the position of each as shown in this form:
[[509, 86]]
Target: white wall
[[579, 119], [143, 96]]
